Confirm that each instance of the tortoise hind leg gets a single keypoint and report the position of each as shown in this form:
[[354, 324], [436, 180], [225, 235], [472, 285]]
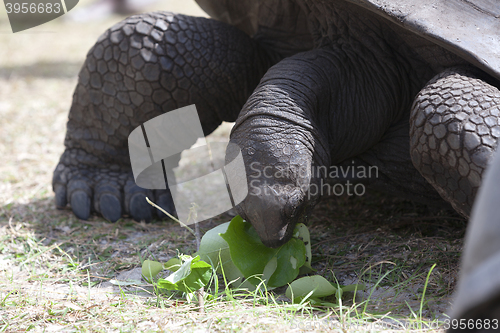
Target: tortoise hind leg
[[454, 128]]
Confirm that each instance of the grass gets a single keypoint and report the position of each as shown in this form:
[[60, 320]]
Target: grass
[[55, 270]]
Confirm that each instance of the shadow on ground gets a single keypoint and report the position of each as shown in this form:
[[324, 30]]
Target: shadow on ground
[[353, 238]]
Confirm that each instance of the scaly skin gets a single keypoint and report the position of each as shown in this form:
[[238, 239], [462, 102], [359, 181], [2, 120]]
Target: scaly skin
[[454, 131], [138, 69]]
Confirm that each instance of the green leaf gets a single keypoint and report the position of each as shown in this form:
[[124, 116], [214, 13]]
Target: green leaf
[[150, 269], [353, 287], [215, 250], [318, 285], [251, 257], [212, 244], [302, 233], [192, 275], [173, 264]]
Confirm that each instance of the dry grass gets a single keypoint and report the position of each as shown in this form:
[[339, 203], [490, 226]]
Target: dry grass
[[55, 269]]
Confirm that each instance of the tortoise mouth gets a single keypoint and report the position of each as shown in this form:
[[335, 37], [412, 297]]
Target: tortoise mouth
[[273, 214], [282, 237]]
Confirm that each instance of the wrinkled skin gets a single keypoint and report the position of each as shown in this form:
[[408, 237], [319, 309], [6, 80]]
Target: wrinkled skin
[[327, 84]]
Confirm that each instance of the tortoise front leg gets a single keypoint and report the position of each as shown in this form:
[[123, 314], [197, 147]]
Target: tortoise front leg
[[140, 68], [454, 128]]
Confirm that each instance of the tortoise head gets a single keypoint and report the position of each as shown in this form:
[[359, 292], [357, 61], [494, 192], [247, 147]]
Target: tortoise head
[[279, 175], [274, 204]]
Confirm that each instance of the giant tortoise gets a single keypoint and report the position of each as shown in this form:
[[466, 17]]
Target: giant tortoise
[[410, 87]]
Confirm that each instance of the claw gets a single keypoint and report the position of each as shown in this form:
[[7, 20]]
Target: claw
[[80, 204], [107, 201], [135, 198], [61, 196], [111, 208], [79, 193], [139, 208], [164, 200]]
